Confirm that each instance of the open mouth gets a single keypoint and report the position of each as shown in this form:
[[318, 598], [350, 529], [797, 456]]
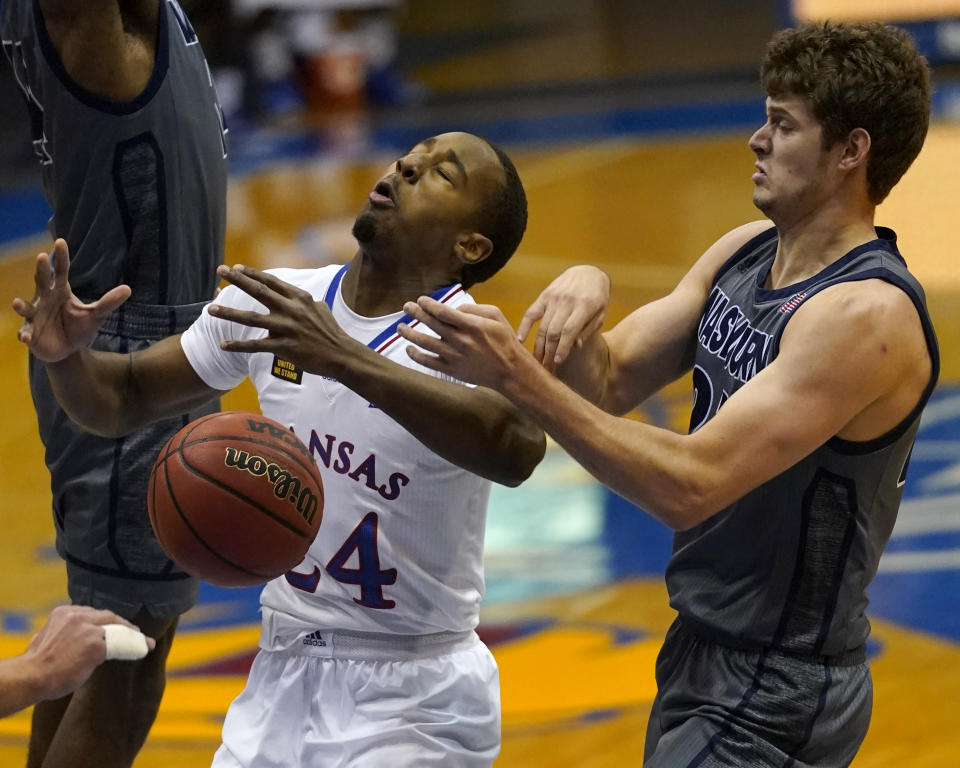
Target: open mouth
[[382, 195]]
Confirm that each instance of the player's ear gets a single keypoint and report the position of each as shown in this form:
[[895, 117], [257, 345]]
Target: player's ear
[[472, 247], [856, 148]]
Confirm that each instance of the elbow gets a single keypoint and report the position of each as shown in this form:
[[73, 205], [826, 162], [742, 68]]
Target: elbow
[[690, 503], [526, 448]]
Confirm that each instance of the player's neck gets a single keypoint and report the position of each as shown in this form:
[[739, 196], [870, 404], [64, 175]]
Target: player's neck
[[806, 248], [374, 287]]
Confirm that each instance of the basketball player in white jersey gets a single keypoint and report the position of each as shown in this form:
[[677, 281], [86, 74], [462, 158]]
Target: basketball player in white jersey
[[368, 651]]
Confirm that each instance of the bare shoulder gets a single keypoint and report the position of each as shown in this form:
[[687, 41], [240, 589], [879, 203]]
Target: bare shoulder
[[704, 270], [873, 306], [106, 46], [868, 336]]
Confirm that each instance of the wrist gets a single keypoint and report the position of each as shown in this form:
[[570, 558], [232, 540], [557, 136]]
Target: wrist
[[30, 676], [524, 380]]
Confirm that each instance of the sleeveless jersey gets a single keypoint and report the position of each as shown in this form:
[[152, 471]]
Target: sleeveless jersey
[[400, 548], [137, 188], [788, 564]]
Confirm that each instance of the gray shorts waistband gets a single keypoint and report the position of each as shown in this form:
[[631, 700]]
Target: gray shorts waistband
[[849, 658], [151, 321]]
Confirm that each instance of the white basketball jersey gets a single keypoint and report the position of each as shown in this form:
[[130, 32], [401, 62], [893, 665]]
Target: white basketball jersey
[[400, 548]]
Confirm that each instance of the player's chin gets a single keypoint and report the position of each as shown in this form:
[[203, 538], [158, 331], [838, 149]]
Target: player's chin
[[366, 227]]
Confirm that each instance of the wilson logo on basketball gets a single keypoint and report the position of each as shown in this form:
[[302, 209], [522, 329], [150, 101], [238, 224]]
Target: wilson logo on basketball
[[285, 485]]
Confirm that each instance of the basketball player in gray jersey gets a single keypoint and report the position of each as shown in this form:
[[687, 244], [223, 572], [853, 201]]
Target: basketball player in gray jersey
[[812, 356], [132, 147]]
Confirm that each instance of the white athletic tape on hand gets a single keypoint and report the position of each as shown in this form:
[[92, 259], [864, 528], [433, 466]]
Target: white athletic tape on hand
[[125, 643]]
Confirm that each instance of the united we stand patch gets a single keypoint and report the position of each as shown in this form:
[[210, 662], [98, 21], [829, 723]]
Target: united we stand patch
[[284, 369]]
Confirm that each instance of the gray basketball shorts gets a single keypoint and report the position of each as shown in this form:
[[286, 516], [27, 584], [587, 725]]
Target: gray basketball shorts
[[720, 706], [99, 486]]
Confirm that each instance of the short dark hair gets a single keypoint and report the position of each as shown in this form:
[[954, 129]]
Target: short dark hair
[[866, 76], [503, 219]]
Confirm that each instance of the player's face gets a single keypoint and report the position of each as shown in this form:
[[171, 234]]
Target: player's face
[[793, 176], [431, 195]]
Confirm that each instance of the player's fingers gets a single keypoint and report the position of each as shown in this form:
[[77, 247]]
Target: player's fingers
[[486, 311], [433, 362], [111, 300], [264, 344], [578, 326], [552, 329], [595, 324], [530, 317], [414, 310], [42, 275], [273, 282], [23, 308], [423, 340], [243, 278], [443, 313], [61, 263], [241, 316]]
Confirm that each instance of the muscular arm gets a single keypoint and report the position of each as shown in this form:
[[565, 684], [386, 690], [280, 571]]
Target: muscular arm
[[112, 394], [853, 362], [106, 46], [653, 345], [474, 428], [108, 394]]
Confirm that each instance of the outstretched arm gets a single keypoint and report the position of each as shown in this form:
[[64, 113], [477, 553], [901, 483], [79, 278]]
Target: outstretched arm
[[853, 362], [475, 428], [107, 394]]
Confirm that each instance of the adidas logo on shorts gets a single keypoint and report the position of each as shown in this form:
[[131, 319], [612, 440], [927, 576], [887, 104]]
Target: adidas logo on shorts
[[316, 639]]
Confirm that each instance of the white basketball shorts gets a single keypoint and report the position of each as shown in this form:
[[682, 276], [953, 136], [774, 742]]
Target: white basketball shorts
[[336, 701]]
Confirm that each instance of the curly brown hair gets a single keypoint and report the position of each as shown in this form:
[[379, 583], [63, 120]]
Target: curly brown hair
[[866, 76]]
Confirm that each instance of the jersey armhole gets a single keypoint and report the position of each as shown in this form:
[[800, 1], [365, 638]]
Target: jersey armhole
[[860, 447], [161, 64]]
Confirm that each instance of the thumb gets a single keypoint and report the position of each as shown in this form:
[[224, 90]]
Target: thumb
[[111, 300]]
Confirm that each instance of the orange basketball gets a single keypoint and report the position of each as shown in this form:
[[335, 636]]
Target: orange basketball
[[235, 499]]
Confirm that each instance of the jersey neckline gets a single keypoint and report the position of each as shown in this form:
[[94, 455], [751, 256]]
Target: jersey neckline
[[388, 335], [885, 241]]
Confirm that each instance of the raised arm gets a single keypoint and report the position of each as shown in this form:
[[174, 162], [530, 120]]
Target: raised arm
[[106, 46], [106, 393], [475, 428]]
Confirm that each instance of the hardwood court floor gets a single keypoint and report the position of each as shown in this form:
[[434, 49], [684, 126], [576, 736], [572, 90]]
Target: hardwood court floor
[[574, 616]]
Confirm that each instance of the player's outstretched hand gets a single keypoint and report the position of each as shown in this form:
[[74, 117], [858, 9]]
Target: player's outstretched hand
[[299, 329], [476, 344], [569, 310], [71, 644], [55, 322]]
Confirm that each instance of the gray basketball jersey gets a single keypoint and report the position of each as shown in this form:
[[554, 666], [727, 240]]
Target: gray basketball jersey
[[788, 564], [138, 188]]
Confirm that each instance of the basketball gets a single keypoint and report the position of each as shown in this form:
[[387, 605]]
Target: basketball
[[235, 499]]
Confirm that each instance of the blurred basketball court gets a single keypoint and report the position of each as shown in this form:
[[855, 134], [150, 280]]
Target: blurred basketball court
[[575, 607]]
